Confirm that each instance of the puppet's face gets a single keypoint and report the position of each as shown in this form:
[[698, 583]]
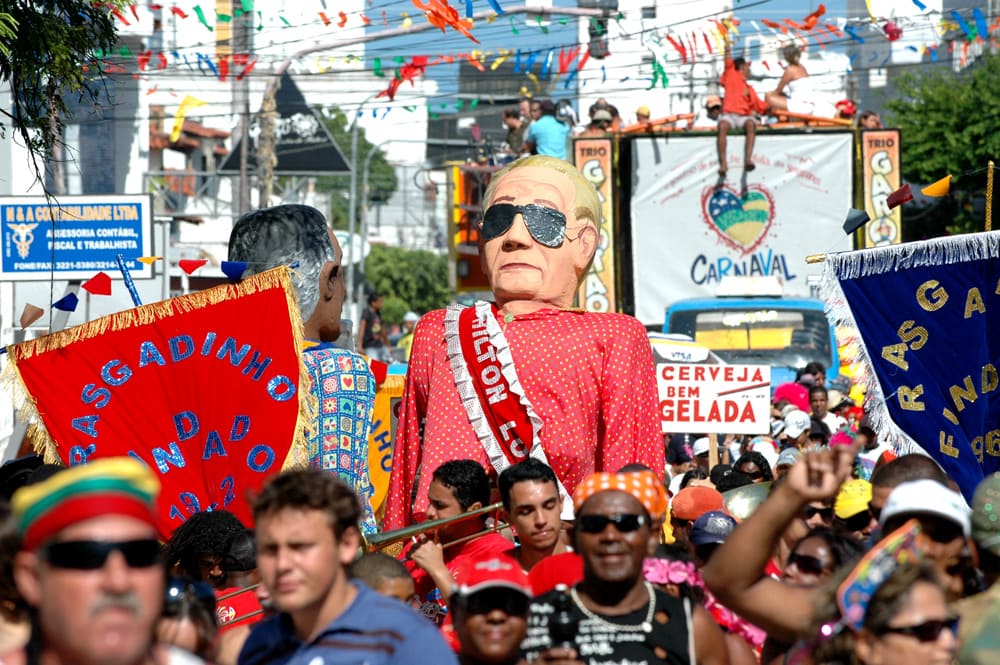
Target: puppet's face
[[519, 262], [330, 307]]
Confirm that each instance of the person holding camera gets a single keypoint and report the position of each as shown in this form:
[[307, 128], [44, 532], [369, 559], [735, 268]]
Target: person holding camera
[[614, 615]]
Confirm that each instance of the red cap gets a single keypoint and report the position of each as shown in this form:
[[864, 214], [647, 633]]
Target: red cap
[[499, 571], [795, 393], [693, 502]]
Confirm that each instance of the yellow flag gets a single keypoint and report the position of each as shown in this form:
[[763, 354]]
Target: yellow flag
[[187, 104], [938, 188]]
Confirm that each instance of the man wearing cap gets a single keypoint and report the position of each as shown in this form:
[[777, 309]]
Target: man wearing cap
[[797, 429], [700, 450], [528, 375], [599, 124], [307, 535], [944, 524], [642, 114], [708, 532], [690, 504], [90, 567], [405, 342], [786, 459], [489, 612], [851, 511], [621, 617], [342, 381]]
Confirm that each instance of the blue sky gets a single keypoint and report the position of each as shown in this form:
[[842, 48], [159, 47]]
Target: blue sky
[[793, 9]]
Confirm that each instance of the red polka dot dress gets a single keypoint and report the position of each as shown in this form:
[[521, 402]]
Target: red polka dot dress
[[589, 376]]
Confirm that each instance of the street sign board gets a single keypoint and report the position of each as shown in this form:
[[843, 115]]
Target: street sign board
[[74, 237]]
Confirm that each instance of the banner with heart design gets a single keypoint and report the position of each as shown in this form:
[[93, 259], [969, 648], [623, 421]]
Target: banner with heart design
[[207, 389], [689, 231], [741, 221]]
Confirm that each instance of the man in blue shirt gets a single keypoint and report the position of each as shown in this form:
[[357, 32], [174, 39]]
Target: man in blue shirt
[[546, 135], [307, 535]]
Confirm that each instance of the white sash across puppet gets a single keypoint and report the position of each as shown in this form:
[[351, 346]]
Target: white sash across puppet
[[500, 413]]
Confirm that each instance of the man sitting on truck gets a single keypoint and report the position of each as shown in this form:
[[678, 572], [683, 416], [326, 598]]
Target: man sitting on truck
[[739, 108]]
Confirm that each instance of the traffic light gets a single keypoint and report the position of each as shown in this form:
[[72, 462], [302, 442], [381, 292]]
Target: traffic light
[[598, 31], [597, 27]]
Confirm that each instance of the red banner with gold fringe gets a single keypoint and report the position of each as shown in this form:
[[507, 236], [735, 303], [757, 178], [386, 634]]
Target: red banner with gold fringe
[[207, 389]]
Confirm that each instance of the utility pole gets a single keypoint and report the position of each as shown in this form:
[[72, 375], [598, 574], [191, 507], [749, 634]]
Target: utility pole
[[242, 43]]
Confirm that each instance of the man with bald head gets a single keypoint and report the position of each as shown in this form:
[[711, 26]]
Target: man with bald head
[[297, 236], [529, 374]]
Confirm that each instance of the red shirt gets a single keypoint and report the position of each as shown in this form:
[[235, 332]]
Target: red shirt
[[550, 572], [590, 377], [740, 98], [432, 604]]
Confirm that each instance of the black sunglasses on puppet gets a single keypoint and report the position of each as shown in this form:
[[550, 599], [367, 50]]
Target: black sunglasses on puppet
[[546, 225]]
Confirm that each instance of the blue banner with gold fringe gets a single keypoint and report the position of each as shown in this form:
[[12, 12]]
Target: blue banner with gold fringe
[[928, 317]]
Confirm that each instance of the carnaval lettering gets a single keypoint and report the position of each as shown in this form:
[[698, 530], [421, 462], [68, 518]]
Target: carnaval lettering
[[706, 271]]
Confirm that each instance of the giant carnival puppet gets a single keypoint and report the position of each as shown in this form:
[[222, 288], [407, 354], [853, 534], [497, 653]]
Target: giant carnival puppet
[[527, 375]]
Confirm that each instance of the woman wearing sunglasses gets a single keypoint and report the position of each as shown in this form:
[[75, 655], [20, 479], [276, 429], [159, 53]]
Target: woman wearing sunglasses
[[907, 622]]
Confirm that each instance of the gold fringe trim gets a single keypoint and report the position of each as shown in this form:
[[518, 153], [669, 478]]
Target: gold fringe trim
[[278, 278]]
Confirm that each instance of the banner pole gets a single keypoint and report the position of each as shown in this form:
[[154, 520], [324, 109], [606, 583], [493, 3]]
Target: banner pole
[[989, 195]]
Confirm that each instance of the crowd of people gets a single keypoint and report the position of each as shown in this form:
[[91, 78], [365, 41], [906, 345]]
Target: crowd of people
[[614, 544]]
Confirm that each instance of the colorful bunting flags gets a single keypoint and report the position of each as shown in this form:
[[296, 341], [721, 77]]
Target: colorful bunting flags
[[30, 314], [234, 269], [855, 220], [899, 197], [938, 188], [67, 303], [98, 285], [187, 104], [190, 265]]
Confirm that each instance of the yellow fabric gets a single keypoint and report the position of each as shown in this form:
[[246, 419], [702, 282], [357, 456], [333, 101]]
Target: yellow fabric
[[853, 498]]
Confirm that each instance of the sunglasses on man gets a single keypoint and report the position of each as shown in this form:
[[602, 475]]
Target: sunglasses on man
[[624, 522], [93, 554], [546, 225], [507, 601]]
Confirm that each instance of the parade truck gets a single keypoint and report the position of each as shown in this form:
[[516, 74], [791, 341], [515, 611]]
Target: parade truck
[[672, 232]]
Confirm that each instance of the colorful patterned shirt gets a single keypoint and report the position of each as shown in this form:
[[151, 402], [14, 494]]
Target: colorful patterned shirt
[[590, 378], [338, 439]]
